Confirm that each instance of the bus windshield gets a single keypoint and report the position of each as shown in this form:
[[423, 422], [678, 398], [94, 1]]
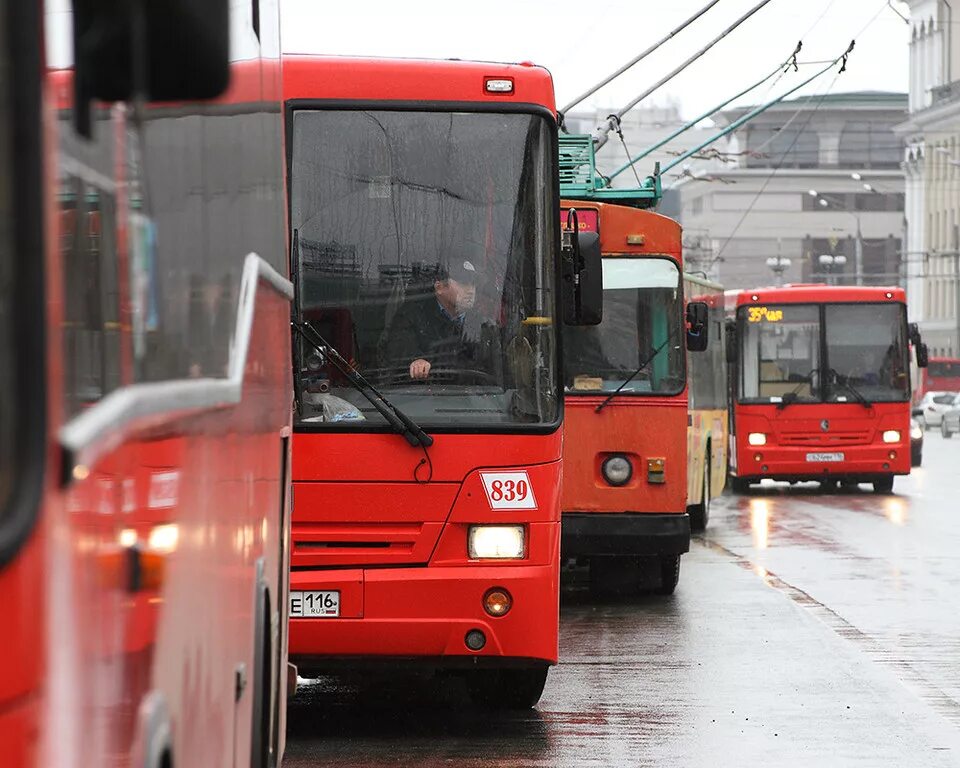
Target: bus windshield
[[782, 360], [641, 324], [424, 249]]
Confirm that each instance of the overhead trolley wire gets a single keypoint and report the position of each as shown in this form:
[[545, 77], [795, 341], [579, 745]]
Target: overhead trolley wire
[[587, 94]]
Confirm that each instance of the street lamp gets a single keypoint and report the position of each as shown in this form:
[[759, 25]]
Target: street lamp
[[825, 200], [779, 265], [832, 265]]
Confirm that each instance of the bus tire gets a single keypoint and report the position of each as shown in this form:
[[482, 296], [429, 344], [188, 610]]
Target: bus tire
[[883, 486], [739, 485], [669, 574], [700, 513], [261, 751], [507, 688]]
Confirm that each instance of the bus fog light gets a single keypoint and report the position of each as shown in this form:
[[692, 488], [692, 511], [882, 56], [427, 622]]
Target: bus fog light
[[617, 470], [499, 542], [757, 438], [475, 640], [891, 436], [892, 454], [758, 457], [497, 602]]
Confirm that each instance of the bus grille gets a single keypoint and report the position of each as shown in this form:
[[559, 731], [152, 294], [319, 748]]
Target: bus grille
[[826, 439], [318, 545]]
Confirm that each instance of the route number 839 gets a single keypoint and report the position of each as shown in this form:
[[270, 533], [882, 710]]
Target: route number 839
[[508, 490]]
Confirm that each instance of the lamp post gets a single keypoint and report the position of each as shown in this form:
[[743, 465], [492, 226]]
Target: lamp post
[[832, 265], [825, 201], [779, 265]]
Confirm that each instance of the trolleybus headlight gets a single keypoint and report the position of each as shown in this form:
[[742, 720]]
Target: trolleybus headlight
[[617, 470], [757, 438], [891, 436], [499, 542]]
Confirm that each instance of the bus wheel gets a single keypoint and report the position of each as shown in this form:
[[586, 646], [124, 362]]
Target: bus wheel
[[700, 513], [739, 485], [883, 486], [828, 486], [615, 575], [669, 574], [507, 688]]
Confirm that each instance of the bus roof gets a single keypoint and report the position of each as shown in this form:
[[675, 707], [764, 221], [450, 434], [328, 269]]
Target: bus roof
[[649, 233], [819, 293], [414, 80]]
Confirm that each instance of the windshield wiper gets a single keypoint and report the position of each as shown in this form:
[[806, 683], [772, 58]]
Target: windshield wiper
[[791, 397], [633, 375], [396, 418], [857, 394]]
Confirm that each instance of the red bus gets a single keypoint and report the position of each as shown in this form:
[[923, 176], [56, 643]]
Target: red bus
[[426, 457], [625, 462], [144, 386], [941, 375], [821, 385]]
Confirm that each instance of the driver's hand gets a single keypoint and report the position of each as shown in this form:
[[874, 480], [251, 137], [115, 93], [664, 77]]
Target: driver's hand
[[419, 369]]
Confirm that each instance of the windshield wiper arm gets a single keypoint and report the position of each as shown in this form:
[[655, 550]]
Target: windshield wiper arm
[[857, 394], [633, 375], [791, 397], [396, 418]]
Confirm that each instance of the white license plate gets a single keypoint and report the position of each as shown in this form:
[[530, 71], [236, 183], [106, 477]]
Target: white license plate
[[825, 457], [315, 605]]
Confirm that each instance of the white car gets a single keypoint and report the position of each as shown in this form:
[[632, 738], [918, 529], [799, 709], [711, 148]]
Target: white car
[[934, 405], [950, 420]]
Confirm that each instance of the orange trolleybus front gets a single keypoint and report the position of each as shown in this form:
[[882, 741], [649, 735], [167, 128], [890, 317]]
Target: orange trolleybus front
[[625, 380], [821, 385], [424, 230]]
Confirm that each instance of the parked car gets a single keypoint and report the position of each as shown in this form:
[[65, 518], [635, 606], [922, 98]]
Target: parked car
[[933, 406], [950, 420], [916, 443]]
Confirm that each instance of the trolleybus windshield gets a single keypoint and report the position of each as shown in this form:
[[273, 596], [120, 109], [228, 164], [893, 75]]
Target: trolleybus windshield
[[641, 322], [812, 353], [424, 252]]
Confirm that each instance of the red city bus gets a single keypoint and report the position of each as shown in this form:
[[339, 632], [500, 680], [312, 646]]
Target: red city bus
[[626, 391], [144, 387], [426, 457], [821, 385], [941, 375]]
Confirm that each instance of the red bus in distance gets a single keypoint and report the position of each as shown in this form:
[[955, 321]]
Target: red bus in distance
[[426, 459], [821, 385], [941, 375], [145, 389]]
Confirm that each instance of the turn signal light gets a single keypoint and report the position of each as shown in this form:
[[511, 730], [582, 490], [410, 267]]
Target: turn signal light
[[497, 602], [656, 470]]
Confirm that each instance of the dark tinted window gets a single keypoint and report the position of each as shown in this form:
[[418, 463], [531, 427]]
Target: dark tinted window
[[943, 368], [8, 404]]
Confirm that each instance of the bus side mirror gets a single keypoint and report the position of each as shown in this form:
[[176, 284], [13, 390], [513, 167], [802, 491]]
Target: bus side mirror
[[923, 355], [730, 331], [697, 326], [160, 50], [582, 276]]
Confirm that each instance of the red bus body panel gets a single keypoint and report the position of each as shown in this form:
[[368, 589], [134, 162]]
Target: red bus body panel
[[641, 427], [796, 429], [360, 505]]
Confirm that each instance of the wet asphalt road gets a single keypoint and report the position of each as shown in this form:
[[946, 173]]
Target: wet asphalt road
[[807, 630]]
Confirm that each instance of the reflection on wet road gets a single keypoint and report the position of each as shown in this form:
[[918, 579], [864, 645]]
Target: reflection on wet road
[[807, 629]]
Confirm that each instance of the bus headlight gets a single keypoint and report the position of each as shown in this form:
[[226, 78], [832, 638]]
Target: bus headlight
[[617, 470], [495, 542], [757, 438], [891, 436]]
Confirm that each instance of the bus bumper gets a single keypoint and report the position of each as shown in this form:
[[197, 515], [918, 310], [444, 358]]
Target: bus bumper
[[624, 533], [860, 463], [422, 615]]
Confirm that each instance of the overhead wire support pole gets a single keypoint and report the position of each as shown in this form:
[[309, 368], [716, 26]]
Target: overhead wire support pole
[[638, 59], [603, 132], [792, 61], [758, 110]]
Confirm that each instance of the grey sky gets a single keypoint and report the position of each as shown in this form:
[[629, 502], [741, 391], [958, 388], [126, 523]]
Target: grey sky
[[583, 42]]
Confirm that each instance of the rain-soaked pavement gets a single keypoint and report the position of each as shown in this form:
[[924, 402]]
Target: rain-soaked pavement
[[807, 630]]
